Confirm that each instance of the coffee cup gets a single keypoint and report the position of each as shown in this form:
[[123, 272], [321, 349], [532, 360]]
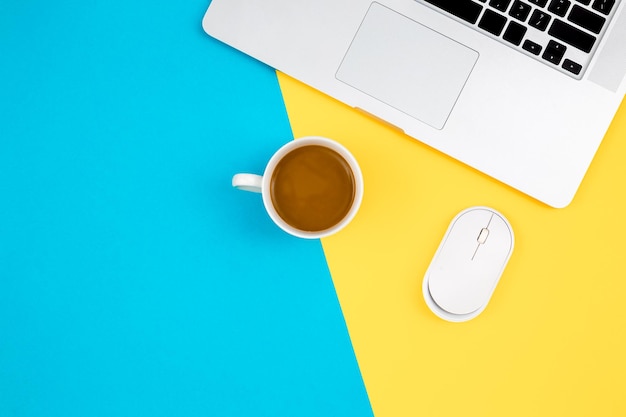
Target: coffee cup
[[311, 187]]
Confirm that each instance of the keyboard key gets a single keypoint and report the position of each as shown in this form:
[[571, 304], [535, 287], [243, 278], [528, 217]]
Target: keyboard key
[[571, 35], [554, 52], [574, 26], [559, 7], [492, 22], [463, 9], [520, 10], [571, 66], [539, 20], [500, 4], [532, 47], [514, 33], [603, 6], [586, 19]]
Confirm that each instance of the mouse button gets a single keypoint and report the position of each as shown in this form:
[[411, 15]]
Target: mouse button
[[502, 227], [498, 246], [460, 240], [491, 259], [455, 253], [453, 278], [483, 235]]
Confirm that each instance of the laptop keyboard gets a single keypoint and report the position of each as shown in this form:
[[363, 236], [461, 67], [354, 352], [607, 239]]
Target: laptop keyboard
[[562, 34]]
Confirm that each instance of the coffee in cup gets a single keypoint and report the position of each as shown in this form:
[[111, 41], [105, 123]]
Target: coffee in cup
[[312, 187]]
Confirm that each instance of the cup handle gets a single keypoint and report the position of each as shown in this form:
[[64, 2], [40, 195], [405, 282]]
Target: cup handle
[[248, 182]]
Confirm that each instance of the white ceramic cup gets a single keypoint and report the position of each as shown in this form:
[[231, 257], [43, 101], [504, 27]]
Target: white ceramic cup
[[261, 184]]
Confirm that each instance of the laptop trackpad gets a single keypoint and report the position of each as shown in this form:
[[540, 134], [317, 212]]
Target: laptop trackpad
[[407, 65]]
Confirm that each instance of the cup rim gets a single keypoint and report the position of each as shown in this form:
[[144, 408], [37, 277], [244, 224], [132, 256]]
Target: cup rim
[[298, 143]]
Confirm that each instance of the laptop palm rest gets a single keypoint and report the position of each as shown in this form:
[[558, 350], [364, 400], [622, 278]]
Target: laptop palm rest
[[407, 65]]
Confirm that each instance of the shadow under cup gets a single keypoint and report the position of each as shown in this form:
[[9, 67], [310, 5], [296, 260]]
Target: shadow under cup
[[313, 188]]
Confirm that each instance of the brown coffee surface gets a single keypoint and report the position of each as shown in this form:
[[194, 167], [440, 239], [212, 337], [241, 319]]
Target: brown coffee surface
[[312, 188]]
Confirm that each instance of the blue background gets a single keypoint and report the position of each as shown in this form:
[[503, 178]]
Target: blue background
[[133, 279]]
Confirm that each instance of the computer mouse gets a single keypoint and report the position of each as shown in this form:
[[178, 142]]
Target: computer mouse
[[468, 264]]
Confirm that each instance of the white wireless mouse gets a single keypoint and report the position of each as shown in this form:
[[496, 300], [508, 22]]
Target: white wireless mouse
[[468, 264]]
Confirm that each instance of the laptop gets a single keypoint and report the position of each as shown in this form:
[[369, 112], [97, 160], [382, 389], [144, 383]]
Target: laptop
[[521, 90]]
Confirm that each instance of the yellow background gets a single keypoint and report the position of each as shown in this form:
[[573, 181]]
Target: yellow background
[[552, 341]]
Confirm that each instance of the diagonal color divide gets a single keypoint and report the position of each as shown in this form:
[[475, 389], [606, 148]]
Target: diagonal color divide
[[551, 341]]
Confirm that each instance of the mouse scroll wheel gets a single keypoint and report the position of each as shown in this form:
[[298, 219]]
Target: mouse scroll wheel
[[482, 236]]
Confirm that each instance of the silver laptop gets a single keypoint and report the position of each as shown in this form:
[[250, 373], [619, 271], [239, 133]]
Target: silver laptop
[[523, 91]]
